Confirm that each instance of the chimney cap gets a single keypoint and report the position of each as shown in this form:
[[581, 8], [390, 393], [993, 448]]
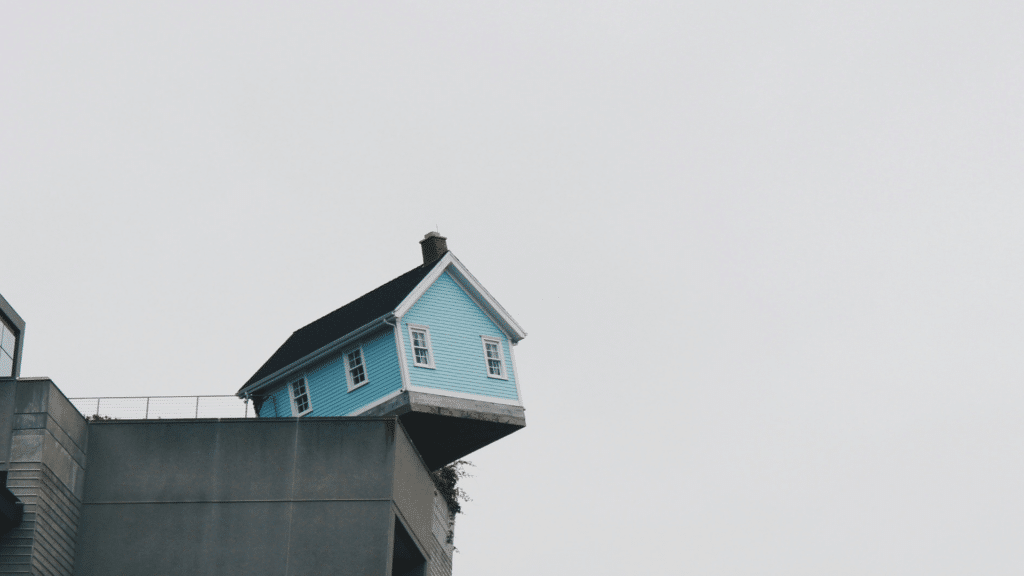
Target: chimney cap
[[433, 234]]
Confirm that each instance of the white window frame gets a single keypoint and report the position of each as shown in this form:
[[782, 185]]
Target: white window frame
[[501, 357], [412, 345], [348, 369], [291, 396]]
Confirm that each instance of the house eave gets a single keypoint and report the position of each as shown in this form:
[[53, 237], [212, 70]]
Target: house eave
[[314, 356]]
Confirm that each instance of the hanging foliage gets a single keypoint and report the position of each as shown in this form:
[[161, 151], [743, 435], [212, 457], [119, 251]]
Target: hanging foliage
[[447, 481]]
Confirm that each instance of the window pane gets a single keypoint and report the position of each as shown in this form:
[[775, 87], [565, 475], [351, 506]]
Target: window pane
[[6, 339], [6, 365], [300, 396], [355, 367]]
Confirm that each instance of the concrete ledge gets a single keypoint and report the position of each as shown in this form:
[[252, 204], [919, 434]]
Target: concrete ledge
[[449, 406], [491, 411], [394, 407], [445, 428]]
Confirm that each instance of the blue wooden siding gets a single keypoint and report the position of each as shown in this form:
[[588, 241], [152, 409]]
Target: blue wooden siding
[[278, 404], [328, 387], [456, 324]]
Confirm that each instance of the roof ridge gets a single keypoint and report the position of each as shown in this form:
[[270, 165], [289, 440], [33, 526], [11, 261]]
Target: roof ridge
[[338, 323]]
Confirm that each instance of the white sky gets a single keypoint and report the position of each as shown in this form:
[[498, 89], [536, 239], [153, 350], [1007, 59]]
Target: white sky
[[768, 254]]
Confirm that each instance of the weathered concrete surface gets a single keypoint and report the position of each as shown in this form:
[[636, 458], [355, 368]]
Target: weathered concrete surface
[[8, 388], [43, 439], [268, 496], [414, 490], [444, 428]]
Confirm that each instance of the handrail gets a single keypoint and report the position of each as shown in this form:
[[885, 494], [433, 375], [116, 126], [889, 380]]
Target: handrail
[[154, 407]]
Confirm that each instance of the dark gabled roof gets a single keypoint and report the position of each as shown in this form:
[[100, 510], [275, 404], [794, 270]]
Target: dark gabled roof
[[339, 323]]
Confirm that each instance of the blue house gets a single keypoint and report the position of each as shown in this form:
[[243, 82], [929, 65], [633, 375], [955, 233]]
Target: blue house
[[431, 346]]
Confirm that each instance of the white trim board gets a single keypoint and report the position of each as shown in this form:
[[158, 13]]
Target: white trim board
[[375, 403], [472, 287], [400, 353], [315, 356], [465, 396], [517, 331], [423, 285], [502, 327], [515, 371]]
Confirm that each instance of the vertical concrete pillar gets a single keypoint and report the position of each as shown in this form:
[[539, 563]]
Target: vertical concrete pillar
[[42, 444]]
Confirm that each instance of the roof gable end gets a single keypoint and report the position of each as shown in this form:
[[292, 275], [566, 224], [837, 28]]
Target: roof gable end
[[476, 291]]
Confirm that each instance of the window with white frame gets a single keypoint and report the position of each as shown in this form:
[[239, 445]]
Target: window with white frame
[[300, 397], [422, 354], [495, 358], [355, 368]]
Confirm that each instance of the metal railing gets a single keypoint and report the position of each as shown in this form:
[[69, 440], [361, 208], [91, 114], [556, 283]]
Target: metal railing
[[154, 407]]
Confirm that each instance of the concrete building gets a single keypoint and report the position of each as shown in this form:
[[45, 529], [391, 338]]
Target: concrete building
[[298, 492], [213, 496]]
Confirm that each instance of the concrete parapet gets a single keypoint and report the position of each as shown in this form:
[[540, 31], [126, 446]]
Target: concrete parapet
[[215, 496], [267, 496], [43, 442]]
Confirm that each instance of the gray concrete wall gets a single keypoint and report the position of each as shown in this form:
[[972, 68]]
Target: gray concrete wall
[[44, 439], [8, 389], [414, 499], [269, 496], [414, 490], [438, 548]]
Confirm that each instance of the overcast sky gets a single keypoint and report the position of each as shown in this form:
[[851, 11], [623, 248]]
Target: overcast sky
[[768, 254]]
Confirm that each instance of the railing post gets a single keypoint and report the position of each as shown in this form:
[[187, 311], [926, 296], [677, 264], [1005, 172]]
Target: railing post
[[147, 408], [97, 406], [197, 406]]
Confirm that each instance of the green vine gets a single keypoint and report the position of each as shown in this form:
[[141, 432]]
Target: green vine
[[446, 479]]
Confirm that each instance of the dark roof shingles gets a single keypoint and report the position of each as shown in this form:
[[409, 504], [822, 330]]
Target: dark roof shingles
[[337, 324]]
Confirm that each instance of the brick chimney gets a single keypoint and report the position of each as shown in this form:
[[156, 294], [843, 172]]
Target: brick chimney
[[434, 246]]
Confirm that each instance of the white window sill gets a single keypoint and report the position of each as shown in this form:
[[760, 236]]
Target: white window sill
[[352, 388]]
